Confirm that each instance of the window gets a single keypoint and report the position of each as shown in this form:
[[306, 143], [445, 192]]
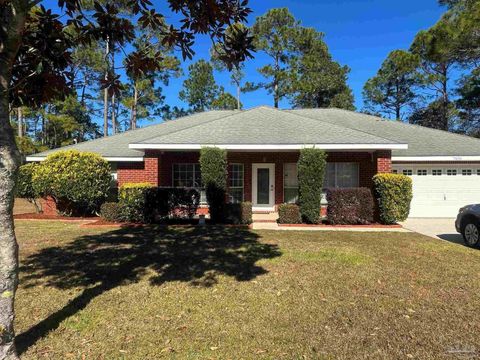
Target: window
[[235, 188], [290, 183], [478, 171], [466, 172], [114, 174], [421, 172], [436, 172], [408, 172], [342, 175], [187, 175], [394, 171], [451, 172]]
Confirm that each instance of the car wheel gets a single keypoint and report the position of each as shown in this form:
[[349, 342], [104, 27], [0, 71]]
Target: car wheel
[[471, 234]]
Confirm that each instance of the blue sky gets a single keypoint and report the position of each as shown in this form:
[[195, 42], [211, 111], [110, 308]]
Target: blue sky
[[359, 33]]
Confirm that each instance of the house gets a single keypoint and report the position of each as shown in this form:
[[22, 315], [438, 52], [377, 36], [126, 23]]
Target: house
[[263, 146]]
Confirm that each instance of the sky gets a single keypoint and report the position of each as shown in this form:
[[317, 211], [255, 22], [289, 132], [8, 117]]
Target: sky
[[359, 33]]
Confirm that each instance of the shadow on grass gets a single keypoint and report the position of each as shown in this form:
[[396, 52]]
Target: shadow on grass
[[453, 238], [104, 261]]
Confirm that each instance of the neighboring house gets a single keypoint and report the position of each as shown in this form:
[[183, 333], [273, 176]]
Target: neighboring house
[[263, 147]]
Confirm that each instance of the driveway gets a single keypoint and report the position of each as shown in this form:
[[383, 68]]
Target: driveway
[[438, 228]]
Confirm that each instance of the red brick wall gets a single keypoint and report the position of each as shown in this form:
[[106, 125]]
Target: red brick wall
[[136, 172], [157, 167], [48, 205]]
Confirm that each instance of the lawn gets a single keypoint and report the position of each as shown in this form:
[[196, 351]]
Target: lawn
[[191, 293]]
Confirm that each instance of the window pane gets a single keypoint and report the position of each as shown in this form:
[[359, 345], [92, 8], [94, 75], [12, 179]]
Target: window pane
[[330, 176], [347, 175], [291, 195], [290, 175], [236, 195], [263, 186], [236, 175]]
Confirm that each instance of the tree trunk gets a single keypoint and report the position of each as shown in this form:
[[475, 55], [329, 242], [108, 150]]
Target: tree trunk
[[105, 91], [238, 96], [114, 116], [12, 20], [20, 121], [133, 119]]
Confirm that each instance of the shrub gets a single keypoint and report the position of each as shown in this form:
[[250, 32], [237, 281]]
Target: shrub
[[145, 203], [133, 200], [240, 213], [289, 214], [213, 166], [79, 182], [394, 194], [311, 171], [350, 206], [24, 186], [112, 211]]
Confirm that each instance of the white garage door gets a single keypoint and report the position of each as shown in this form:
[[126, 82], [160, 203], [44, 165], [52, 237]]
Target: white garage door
[[440, 190]]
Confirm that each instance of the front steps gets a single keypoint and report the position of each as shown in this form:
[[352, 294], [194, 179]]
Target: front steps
[[259, 217]]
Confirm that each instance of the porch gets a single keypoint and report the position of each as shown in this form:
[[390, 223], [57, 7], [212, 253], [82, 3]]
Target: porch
[[266, 179]]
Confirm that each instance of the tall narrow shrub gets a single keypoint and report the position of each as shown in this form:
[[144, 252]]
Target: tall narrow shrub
[[213, 166], [311, 172], [394, 195]]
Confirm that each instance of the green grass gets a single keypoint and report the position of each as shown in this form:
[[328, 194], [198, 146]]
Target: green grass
[[188, 293]]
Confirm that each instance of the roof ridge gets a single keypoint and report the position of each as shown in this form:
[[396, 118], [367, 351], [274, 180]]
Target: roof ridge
[[308, 118], [193, 126], [348, 127], [403, 123]]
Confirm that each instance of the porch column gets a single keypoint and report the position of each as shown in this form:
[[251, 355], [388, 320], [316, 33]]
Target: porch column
[[383, 161], [151, 169]]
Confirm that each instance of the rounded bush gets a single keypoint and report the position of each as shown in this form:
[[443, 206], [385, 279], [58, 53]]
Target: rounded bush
[[394, 195], [24, 185], [289, 214], [111, 211], [350, 206], [133, 199], [79, 182]]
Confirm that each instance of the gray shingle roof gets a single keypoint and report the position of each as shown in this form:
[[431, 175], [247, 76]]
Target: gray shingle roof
[[421, 141], [269, 126], [264, 125]]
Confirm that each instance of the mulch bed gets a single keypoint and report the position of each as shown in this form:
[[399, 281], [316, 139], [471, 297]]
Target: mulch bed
[[375, 225], [35, 216]]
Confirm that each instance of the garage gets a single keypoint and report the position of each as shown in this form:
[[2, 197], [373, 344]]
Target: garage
[[440, 190]]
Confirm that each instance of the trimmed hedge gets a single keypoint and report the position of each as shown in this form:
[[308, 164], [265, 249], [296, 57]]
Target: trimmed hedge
[[79, 182], [311, 172], [24, 185], [132, 197], [145, 203], [350, 206], [289, 214], [393, 193], [213, 166], [112, 211], [239, 213]]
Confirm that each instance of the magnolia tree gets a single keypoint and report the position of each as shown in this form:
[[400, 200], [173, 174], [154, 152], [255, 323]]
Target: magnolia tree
[[35, 63]]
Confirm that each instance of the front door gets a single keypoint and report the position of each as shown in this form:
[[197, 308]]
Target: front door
[[263, 186]]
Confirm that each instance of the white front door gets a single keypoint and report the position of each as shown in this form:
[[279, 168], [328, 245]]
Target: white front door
[[263, 187]]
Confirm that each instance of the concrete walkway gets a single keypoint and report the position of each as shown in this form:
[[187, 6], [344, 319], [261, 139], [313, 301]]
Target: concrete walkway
[[437, 228], [274, 226]]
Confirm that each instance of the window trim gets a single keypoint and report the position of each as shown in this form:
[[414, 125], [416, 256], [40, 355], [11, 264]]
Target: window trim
[[336, 173], [194, 173], [289, 187], [236, 187]]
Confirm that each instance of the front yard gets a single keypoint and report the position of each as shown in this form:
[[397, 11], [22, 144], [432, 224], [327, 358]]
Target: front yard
[[188, 293]]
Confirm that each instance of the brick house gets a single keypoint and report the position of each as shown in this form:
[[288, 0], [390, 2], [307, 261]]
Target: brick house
[[263, 146]]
